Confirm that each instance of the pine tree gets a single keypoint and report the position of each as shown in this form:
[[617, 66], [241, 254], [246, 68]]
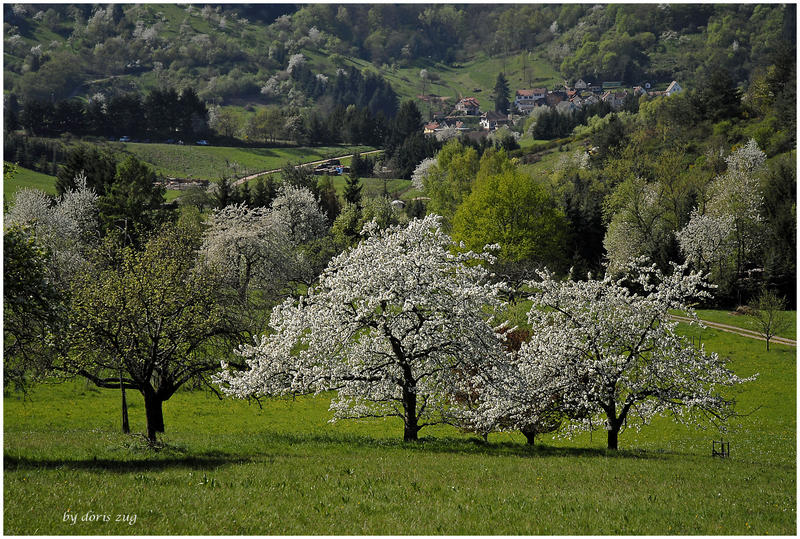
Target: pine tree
[[223, 195], [244, 194], [264, 192], [500, 94], [352, 189]]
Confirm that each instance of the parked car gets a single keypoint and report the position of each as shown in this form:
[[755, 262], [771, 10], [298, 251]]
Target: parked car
[[202, 142], [125, 139], [170, 141]]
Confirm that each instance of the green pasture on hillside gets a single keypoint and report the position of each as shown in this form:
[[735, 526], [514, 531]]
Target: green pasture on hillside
[[229, 467], [373, 187], [479, 72], [212, 162], [28, 178], [732, 318]]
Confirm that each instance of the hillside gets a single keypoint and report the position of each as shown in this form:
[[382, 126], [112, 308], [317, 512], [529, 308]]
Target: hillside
[[229, 53]]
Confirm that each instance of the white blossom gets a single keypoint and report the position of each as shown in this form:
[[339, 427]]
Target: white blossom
[[247, 247], [706, 240], [299, 212], [392, 326], [295, 60], [314, 35], [448, 133], [420, 174], [727, 234], [605, 352], [66, 226]]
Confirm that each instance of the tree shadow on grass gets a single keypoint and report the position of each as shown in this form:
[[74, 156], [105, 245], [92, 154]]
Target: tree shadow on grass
[[468, 446], [201, 461]]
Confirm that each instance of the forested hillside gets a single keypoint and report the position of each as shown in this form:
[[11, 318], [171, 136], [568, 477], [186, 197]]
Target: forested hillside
[[237, 54]]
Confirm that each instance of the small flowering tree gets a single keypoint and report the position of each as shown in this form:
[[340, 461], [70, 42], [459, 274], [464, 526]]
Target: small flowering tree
[[247, 246], [298, 210], [66, 228], [606, 351], [392, 326], [725, 235]]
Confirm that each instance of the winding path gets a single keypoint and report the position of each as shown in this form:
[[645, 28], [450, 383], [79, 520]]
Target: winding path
[[738, 331], [274, 170]]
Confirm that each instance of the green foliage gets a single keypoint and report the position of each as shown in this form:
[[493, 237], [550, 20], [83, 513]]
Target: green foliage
[[500, 94], [352, 189], [450, 179], [718, 98], [147, 320], [99, 167], [780, 214], [508, 208], [132, 206], [32, 309]]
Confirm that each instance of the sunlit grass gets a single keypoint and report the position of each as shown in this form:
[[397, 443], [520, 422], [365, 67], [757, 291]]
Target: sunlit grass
[[28, 178], [229, 467]]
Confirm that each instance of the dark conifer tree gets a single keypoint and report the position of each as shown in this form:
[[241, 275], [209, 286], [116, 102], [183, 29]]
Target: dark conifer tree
[[352, 188]]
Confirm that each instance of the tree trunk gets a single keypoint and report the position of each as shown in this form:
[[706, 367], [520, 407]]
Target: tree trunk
[[410, 420], [155, 415], [126, 428], [613, 436], [530, 435]]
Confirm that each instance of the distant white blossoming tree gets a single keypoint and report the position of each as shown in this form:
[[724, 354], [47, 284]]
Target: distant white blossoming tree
[[247, 246], [66, 227], [298, 210], [723, 236], [605, 352], [392, 326]]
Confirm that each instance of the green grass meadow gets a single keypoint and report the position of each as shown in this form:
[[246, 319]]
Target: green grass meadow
[[28, 178], [212, 162], [229, 467]]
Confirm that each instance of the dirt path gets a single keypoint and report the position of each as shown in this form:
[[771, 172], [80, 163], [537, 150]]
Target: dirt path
[[240, 181], [738, 331]]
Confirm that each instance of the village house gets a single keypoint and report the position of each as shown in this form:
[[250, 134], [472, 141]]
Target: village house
[[615, 99], [526, 100], [430, 128], [673, 88], [554, 98], [492, 120], [469, 106]]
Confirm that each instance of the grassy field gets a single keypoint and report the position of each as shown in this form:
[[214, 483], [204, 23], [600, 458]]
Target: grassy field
[[747, 322], [28, 178], [473, 78], [373, 187], [212, 162], [232, 468]]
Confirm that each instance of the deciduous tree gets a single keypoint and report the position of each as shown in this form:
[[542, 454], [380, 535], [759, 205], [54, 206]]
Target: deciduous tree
[[154, 317], [389, 325], [607, 351]]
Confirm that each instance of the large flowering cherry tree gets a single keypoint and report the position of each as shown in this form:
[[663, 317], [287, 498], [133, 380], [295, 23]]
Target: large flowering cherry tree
[[392, 326], [605, 352]]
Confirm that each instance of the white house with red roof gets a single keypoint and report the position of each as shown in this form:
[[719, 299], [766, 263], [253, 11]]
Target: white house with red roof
[[469, 106]]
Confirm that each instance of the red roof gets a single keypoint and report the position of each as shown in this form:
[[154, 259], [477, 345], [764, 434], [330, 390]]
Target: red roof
[[526, 93], [470, 101]]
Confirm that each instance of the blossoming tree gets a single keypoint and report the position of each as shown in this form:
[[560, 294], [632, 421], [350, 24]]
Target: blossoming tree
[[725, 235], [392, 326], [607, 351]]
